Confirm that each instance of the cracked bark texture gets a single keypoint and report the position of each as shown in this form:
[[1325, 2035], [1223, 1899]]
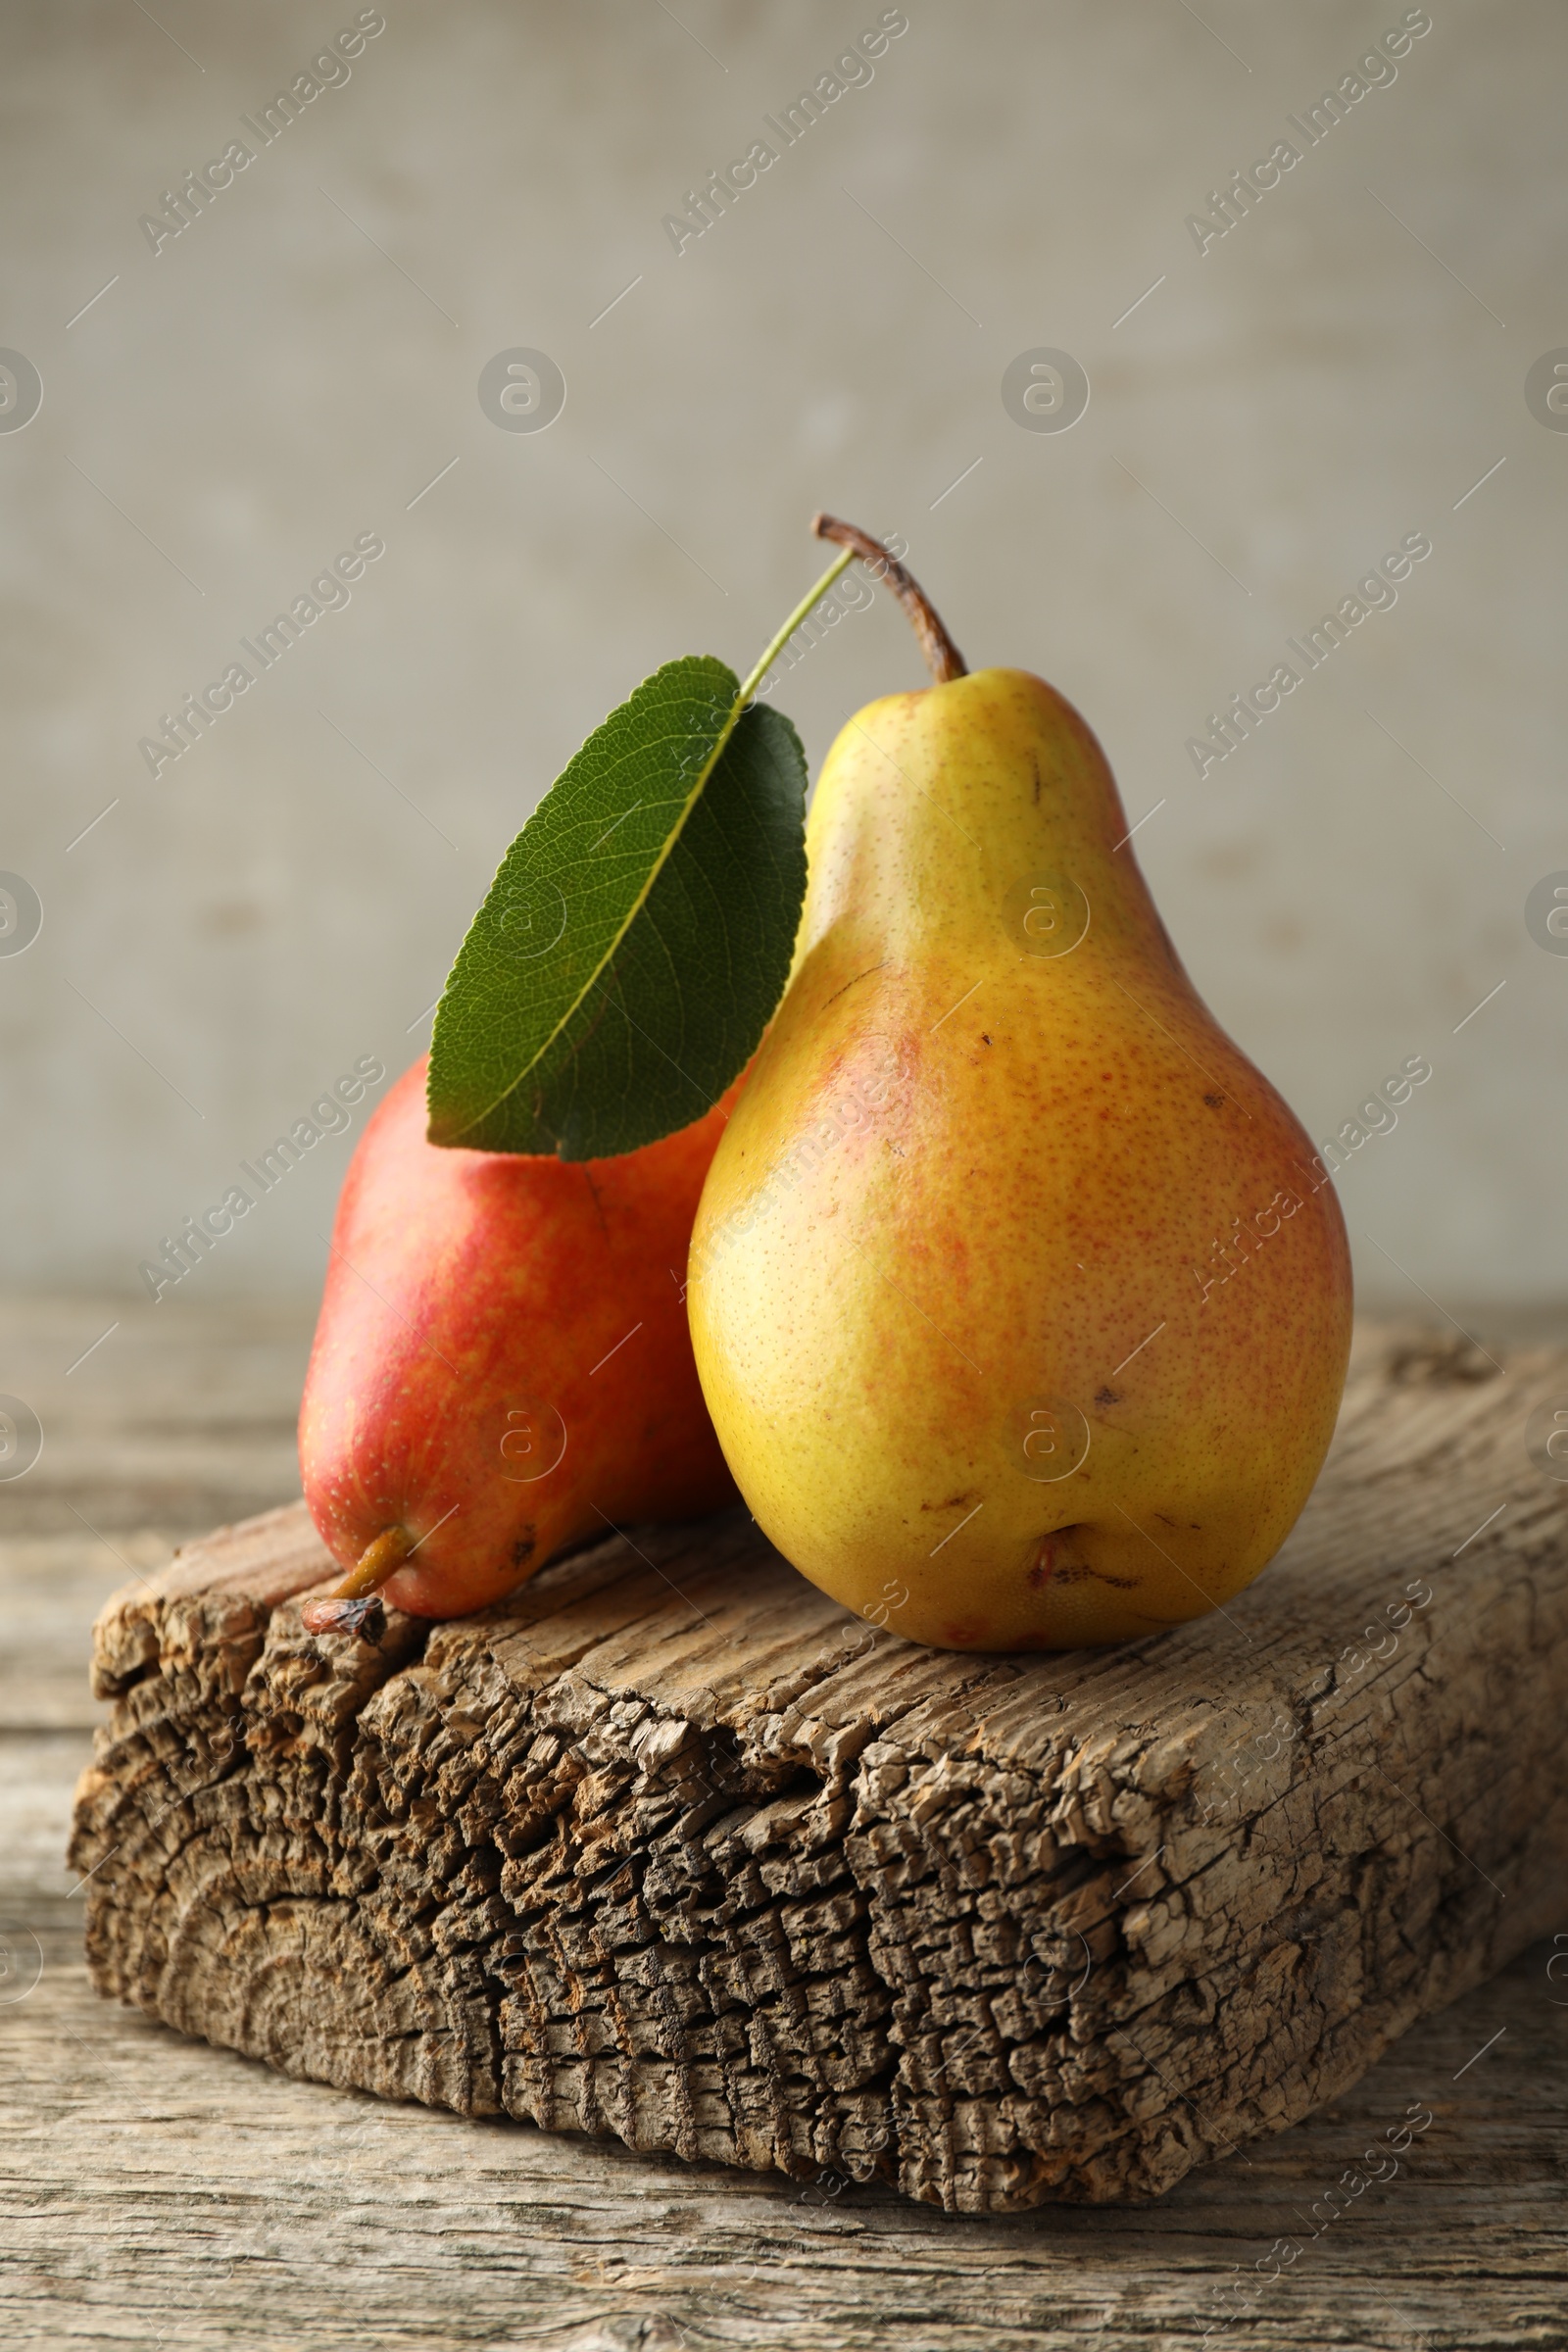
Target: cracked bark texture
[[669, 1848]]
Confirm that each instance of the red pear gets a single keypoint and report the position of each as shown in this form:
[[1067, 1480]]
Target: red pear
[[502, 1366]]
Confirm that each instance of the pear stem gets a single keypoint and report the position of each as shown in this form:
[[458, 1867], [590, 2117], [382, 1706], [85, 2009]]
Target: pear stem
[[378, 1561], [942, 657]]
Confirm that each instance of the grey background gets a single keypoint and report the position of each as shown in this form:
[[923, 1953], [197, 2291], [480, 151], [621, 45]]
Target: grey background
[[1276, 413]]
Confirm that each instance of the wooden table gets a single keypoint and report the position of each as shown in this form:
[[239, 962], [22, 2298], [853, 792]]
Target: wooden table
[[160, 2192]]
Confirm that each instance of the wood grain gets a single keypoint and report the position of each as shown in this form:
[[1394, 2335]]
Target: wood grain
[[161, 2192], [154, 2191], [670, 1849]]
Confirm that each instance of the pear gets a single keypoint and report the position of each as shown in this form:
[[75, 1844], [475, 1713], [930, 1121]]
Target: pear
[[502, 1365], [1020, 1307]]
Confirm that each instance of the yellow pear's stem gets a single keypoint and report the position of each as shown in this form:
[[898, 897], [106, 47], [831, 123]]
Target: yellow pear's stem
[[378, 1561], [942, 657]]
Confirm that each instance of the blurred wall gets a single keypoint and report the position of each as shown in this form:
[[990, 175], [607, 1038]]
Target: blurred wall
[[1271, 411]]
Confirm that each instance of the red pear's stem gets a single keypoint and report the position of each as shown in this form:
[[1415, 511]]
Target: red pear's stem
[[942, 658], [378, 1562], [365, 1619]]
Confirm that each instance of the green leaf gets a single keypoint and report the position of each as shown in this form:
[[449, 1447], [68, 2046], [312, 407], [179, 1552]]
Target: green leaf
[[638, 936]]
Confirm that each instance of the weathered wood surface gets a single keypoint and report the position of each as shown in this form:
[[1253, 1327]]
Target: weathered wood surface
[[172, 1420], [157, 2191], [165, 2194], [669, 1848]]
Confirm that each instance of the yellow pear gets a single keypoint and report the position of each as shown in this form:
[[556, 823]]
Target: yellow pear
[[1019, 1302]]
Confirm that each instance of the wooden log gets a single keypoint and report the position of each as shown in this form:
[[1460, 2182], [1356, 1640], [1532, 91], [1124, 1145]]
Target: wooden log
[[670, 1849]]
